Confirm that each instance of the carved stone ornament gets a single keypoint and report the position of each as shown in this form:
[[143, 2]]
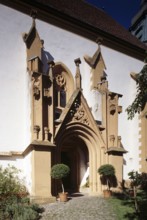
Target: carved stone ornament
[[36, 90], [119, 141], [36, 87], [112, 109], [81, 116], [36, 128], [46, 92], [112, 105], [112, 139], [60, 81], [46, 131], [36, 131]]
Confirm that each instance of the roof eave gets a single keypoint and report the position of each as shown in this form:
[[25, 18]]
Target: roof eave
[[58, 18]]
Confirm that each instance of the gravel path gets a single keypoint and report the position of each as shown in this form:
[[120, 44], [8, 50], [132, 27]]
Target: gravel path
[[79, 208]]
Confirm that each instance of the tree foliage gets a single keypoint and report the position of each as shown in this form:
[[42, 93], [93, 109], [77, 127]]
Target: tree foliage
[[138, 181], [141, 97]]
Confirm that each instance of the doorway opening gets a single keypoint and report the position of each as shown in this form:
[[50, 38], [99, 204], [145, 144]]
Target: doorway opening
[[74, 153]]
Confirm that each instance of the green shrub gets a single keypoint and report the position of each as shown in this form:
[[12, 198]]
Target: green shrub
[[59, 171], [10, 183], [138, 181], [107, 172], [14, 203]]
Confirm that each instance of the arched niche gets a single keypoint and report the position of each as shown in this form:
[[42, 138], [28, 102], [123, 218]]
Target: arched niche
[[63, 86]]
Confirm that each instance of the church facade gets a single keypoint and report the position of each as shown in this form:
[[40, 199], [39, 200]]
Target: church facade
[[67, 102]]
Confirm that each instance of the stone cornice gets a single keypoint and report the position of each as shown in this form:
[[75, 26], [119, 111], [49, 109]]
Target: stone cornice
[[35, 145], [116, 150]]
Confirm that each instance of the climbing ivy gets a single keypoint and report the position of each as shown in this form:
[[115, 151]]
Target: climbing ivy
[[141, 97]]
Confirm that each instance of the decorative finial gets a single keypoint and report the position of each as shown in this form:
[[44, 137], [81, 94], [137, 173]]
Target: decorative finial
[[99, 40], [77, 61], [33, 14], [78, 75]]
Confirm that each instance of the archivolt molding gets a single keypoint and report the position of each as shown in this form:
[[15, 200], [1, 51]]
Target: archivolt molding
[[95, 147], [80, 129], [78, 112]]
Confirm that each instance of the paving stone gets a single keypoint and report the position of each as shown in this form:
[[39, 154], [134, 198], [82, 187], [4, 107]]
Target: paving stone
[[79, 208]]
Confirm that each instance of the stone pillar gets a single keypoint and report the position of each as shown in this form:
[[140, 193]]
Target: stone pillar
[[41, 179]]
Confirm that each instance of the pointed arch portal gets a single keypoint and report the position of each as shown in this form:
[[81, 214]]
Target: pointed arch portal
[[78, 147], [75, 154]]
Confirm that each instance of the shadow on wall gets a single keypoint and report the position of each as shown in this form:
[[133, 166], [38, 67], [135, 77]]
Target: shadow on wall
[[112, 181], [46, 57]]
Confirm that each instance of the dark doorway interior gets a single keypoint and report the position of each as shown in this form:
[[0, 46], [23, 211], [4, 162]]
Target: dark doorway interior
[[74, 153]]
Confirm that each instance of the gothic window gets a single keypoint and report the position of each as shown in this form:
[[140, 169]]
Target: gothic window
[[60, 91], [63, 87], [60, 98]]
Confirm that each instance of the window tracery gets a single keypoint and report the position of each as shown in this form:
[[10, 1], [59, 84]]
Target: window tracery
[[60, 91], [63, 87]]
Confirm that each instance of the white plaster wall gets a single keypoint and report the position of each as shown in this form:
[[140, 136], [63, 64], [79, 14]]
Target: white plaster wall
[[63, 46], [14, 96], [119, 67], [95, 102]]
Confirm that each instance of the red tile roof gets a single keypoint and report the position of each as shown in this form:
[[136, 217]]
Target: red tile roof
[[78, 15], [93, 16]]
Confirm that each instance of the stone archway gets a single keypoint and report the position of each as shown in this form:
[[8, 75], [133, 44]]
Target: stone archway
[[78, 144], [74, 153]]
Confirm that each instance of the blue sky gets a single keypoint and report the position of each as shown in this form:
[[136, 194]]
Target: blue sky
[[121, 10]]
